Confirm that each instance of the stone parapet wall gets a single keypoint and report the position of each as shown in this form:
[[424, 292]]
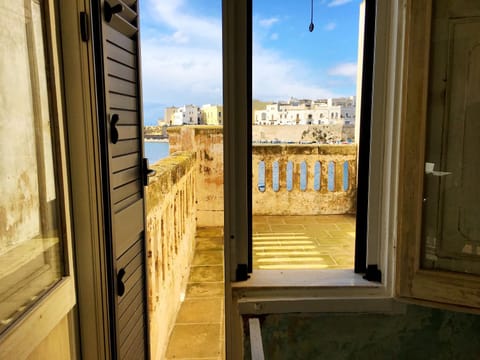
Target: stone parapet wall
[[336, 193], [331, 189], [207, 142], [323, 134], [170, 242]]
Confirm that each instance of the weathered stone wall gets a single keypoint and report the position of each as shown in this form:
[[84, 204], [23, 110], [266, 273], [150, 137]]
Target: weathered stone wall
[[207, 143], [170, 242], [324, 134], [327, 199]]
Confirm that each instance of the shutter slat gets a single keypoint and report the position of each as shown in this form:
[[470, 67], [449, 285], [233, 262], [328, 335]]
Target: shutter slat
[[122, 102], [128, 225], [120, 71], [130, 254], [126, 117], [125, 192], [120, 40], [125, 147], [123, 162], [121, 86], [123, 26], [137, 350], [130, 337], [124, 177], [120, 205], [118, 54]]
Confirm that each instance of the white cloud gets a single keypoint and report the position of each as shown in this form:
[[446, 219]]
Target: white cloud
[[183, 65], [344, 70], [268, 22], [174, 14], [330, 26], [276, 77], [338, 2]]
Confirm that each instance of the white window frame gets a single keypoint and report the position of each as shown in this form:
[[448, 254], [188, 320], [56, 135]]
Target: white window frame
[[37, 323], [381, 229]]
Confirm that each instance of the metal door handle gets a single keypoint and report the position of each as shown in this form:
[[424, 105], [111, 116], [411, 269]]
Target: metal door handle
[[120, 284], [113, 128], [147, 172]]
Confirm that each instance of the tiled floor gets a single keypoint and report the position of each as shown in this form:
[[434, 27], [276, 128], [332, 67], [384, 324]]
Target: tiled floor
[[199, 328], [279, 242], [303, 242]]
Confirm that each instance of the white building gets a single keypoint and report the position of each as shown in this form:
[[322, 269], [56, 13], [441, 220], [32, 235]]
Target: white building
[[187, 115], [308, 112]]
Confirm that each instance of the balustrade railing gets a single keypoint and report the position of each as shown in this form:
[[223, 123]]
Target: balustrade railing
[[291, 179]]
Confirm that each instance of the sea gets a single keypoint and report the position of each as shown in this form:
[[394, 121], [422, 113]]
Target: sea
[[156, 150]]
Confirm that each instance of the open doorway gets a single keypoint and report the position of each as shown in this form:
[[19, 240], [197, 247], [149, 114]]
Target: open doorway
[[307, 80]]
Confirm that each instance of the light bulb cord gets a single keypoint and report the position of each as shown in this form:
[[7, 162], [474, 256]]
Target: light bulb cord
[[311, 26]]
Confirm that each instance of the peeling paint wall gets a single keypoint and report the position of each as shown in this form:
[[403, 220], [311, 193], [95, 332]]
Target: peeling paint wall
[[421, 333], [170, 242]]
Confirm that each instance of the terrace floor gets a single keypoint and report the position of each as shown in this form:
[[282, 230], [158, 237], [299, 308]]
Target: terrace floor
[[303, 242], [279, 242]]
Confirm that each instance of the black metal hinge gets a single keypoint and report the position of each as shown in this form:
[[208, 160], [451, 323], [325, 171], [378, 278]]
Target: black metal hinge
[[373, 273], [84, 26], [146, 171], [241, 274]]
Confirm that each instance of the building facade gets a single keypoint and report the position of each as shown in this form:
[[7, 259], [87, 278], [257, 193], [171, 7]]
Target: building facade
[[308, 112], [212, 114], [187, 115]]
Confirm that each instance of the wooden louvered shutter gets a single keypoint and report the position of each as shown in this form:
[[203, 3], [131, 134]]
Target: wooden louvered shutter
[[123, 135]]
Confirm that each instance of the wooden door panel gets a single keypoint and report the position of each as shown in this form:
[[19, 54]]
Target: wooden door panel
[[452, 199]]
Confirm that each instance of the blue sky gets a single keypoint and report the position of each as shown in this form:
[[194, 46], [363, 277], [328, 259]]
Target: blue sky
[[181, 51]]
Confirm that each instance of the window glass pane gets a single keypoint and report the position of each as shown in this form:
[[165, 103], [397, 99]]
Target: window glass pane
[[30, 252]]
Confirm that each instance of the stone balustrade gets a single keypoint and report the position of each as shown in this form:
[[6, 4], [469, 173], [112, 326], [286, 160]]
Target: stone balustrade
[[291, 179], [170, 241], [298, 179]]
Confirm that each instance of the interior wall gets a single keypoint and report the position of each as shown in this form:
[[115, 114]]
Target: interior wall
[[420, 333]]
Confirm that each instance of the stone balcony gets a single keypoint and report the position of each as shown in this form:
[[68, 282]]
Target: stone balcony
[[303, 217]]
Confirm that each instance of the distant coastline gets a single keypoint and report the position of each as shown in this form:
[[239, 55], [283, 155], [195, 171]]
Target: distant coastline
[[155, 139]]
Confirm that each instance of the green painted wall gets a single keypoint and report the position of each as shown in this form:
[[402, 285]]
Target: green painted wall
[[421, 333]]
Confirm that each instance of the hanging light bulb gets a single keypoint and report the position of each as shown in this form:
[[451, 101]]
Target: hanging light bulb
[[311, 26]]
